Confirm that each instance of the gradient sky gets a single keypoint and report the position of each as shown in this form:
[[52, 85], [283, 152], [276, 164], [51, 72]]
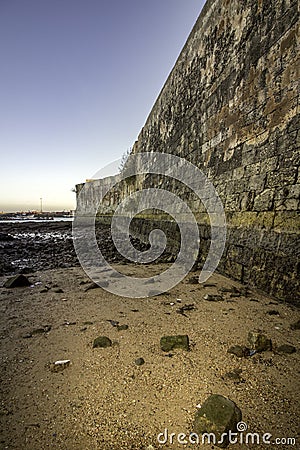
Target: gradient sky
[[78, 79]]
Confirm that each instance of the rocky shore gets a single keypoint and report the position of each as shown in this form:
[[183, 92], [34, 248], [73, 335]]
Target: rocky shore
[[28, 246], [82, 368]]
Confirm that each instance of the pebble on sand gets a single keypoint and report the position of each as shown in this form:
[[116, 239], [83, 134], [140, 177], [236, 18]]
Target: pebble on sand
[[286, 348], [102, 342]]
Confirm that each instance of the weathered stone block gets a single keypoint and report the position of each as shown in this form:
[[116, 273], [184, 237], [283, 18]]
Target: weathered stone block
[[264, 201]]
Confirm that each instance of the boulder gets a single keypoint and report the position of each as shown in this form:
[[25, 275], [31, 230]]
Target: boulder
[[217, 415]]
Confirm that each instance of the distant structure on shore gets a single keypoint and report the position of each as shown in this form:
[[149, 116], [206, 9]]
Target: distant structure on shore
[[33, 215], [230, 106]]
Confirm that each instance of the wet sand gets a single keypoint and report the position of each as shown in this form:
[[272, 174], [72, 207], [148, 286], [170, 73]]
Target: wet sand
[[103, 400]]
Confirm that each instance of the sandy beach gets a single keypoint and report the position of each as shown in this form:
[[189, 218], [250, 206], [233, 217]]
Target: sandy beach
[[110, 399]]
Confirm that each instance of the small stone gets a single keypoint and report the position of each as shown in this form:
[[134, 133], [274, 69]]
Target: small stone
[[234, 375], [99, 284], [231, 289], [239, 351], [168, 343], [59, 366], [41, 330], [102, 342], [122, 327], [58, 290], [194, 280], [217, 415], [154, 293], [139, 361], [295, 325], [286, 348], [213, 298], [259, 341], [273, 312], [17, 281]]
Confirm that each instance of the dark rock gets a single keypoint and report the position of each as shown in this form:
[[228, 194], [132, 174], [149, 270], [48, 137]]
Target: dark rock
[[122, 327], [295, 325], [234, 375], [6, 237], [17, 281], [102, 342], [58, 290], [27, 336], [217, 415], [44, 329], [113, 323], [194, 280], [154, 293], [286, 348], [99, 284], [185, 308], [168, 343], [239, 351], [273, 312], [139, 361], [213, 298], [231, 289], [259, 341], [116, 275]]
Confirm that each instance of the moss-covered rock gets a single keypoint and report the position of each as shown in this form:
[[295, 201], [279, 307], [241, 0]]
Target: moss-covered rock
[[217, 415], [259, 341], [168, 343]]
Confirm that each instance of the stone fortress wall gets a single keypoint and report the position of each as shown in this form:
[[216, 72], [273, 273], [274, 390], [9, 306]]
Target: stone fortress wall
[[230, 106]]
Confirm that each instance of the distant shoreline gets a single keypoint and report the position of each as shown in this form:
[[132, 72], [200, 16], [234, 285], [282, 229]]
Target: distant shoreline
[[55, 219]]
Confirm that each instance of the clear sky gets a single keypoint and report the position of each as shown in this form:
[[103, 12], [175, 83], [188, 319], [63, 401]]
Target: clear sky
[[78, 79]]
